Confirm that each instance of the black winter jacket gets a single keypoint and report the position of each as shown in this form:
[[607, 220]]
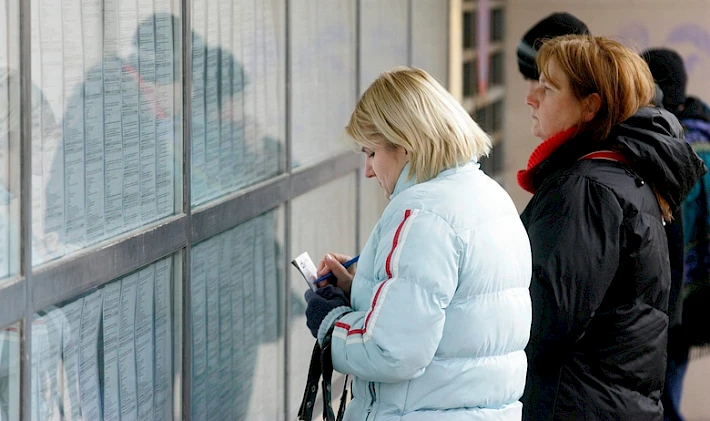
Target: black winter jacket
[[601, 274]]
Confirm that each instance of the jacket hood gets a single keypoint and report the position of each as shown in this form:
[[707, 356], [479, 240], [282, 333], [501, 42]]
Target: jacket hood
[[652, 140]]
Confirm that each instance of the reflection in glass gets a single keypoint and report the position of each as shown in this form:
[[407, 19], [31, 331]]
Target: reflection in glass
[[106, 153], [107, 355], [236, 58], [9, 139], [323, 220], [10, 373], [323, 77], [237, 357]]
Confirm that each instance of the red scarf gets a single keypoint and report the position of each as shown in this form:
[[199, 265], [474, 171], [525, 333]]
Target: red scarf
[[540, 154]]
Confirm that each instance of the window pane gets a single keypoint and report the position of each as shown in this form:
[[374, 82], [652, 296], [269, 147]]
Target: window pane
[[106, 125], [237, 343], [383, 38], [469, 30], [470, 81], [497, 25], [238, 95], [497, 111], [323, 221], [497, 70], [483, 120], [10, 373], [109, 353], [9, 140], [323, 77]]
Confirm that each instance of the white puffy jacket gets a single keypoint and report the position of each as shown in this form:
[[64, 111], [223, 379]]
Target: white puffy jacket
[[440, 311]]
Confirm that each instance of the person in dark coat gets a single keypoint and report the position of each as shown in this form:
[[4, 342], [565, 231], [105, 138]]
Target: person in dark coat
[[605, 179], [668, 70]]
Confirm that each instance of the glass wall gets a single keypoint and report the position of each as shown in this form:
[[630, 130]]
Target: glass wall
[[9, 140], [109, 354], [106, 126], [161, 166], [10, 373]]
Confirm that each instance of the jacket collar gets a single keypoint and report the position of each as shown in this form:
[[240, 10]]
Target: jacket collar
[[404, 182], [540, 154]]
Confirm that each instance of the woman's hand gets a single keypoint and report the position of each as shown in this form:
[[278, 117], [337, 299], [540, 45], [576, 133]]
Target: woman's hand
[[333, 262]]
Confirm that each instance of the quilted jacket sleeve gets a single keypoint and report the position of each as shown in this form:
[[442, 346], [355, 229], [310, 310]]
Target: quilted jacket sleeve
[[396, 337]]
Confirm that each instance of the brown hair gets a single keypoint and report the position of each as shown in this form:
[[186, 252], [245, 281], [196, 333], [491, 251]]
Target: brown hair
[[603, 66], [600, 65]]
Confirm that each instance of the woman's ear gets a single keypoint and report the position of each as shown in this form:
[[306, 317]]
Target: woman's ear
[[590, 106]]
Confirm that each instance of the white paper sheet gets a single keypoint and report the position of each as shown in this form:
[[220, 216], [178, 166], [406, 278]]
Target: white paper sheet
[[144, 342], [162, 397], [71, 345], [113, 137], [199, 334], [50, 334], [126, 350], [248, 25], [146, 64], [225, 88], [88, 356], [165, 115], [227, 382], [212, 118], [111, 323], [52, 85], [130, 113], [73, 121], [199, 23], [94, 120], [213, 360]]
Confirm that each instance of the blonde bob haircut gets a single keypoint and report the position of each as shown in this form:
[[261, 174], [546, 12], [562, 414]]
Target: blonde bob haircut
[[407, 107], [603, 66]]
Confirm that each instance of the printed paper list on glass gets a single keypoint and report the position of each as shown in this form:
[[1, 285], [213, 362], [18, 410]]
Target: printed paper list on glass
[[107, 354], [105, 140]]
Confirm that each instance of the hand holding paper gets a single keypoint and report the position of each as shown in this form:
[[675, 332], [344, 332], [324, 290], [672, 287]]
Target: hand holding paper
[[334, 262]]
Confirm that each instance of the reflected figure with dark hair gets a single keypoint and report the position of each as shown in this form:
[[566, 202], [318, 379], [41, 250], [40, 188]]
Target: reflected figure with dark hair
[[117, 165]]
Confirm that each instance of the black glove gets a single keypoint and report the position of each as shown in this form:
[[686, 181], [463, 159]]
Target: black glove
[[320, 302]]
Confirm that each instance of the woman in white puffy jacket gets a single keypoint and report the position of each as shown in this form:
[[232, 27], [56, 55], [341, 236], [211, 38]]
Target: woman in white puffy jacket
[[438, 312]]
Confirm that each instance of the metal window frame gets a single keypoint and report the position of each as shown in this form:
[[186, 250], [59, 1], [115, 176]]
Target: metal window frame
[[36, 288]]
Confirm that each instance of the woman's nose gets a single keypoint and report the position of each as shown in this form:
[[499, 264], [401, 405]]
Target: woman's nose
[[369, 172], [531, 98]]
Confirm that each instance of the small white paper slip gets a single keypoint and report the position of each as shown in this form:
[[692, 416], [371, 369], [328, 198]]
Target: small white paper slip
[[305, 265]]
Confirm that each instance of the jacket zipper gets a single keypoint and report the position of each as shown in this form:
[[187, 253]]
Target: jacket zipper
[[371, 385]]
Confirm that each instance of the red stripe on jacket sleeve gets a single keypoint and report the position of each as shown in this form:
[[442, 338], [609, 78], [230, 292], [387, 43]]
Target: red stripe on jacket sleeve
[[388, 269], [342, 325], [395, 240]]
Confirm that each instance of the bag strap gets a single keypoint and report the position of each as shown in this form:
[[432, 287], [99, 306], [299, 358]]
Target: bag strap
[[305, 413], [321, 369]]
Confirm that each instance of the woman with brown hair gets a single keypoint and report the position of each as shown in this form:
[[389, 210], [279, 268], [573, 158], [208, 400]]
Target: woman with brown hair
[[605, 179]]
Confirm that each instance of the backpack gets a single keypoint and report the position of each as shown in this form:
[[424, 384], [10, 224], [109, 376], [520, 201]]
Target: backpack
[[696, 222]]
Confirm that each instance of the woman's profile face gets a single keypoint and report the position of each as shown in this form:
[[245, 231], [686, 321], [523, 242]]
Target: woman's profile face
[[554, 107], [385, 164]]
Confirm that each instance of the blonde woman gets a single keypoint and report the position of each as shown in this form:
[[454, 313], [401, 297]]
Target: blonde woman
[[434, 322], [606, 178]]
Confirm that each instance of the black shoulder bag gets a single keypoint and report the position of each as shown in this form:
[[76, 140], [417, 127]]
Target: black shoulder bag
[[321, 367]]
